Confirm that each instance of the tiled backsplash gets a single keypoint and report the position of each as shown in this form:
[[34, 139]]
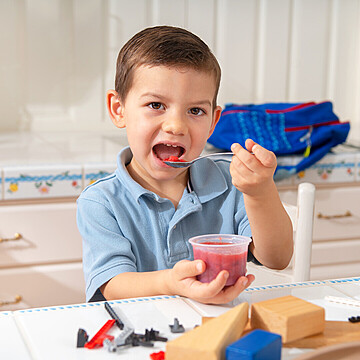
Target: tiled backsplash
[[65, 164], [50, 165], [341, 167], [34, 182]]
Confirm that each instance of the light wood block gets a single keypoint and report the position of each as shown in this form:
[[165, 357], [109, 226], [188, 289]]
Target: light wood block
[[205, 319], [335, 332], [291, 317], [209, 341], [347, 351]]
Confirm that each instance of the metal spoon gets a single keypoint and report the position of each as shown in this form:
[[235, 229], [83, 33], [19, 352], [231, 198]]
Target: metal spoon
[[183, 164]]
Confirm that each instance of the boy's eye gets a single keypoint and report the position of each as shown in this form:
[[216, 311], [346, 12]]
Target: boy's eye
[[156, 105], [197, 111]]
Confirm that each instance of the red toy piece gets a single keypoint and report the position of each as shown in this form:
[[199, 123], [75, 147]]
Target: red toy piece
[[158, 356], [174, 158], [101, 335]]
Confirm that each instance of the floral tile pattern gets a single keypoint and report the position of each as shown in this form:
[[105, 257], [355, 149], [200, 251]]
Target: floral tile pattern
[[68, 180], [94, 172], [285, 161], [45, 181], [357, 173], [331, 169]]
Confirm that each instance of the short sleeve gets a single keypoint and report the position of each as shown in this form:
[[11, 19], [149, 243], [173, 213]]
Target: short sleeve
[[106, 252]]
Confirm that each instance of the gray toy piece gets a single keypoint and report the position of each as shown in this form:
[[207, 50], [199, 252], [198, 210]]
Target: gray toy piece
[[124, 338], [176, 327]]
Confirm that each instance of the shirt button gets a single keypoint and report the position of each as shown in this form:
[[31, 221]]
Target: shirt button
[[174, 227]]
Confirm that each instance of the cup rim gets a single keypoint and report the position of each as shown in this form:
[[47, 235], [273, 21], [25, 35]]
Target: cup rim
[[246, 240]]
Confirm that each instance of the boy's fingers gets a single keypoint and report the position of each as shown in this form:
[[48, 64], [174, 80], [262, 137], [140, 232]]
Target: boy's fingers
[[187, 268], [221, 294], [231, 292], [249, 143], [243, 158], [214, 287], [266, 157], [235, 147]]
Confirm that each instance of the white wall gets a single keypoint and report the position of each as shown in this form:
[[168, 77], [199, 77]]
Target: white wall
[[58, 56]]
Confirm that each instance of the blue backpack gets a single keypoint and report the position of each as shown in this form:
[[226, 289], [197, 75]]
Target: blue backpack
[[310, 129]]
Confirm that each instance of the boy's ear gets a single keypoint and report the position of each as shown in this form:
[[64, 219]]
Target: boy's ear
[[216, 117], [115, 108]]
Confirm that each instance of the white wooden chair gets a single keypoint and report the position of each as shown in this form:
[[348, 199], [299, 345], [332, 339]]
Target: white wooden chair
[[302, 216]]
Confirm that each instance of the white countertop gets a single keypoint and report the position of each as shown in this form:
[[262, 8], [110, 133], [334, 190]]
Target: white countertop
[[26, 148], [28, 335]]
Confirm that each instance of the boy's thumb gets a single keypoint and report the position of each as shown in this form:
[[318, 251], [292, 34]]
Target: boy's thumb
[[187, 268], [199, 266], [195, 268]]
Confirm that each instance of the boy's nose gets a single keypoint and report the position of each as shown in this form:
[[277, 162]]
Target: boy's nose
[[175, 124]]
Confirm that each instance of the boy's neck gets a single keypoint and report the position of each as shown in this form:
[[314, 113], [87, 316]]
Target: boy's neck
[[168, 189]]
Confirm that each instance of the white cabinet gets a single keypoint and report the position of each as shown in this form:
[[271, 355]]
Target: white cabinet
[[43, 266], [42, 285], [336, 236]]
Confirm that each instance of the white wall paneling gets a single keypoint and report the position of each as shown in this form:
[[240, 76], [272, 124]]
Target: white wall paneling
[[273, 50], [309, 51], [58, 57], [171, 12], [236, 37]]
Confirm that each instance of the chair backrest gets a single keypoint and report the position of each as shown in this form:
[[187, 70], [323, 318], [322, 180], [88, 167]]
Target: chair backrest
[[302, 216]]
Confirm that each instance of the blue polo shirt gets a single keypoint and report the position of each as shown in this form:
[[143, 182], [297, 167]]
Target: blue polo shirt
[[128, 228]]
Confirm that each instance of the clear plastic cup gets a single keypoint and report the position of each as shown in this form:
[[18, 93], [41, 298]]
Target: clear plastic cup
[[221, 252]]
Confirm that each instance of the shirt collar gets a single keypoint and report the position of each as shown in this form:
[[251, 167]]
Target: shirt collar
[[123, 159], [206, 178]]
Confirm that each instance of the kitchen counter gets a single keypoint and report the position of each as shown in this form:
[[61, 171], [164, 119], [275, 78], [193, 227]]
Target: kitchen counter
[[46, 165], [50, 165]]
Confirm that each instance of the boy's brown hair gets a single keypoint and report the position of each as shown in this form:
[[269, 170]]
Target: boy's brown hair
[[164, 45]]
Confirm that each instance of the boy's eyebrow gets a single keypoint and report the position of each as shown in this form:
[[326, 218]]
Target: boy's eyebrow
[[203, 102], [150, 94], [161, 97]]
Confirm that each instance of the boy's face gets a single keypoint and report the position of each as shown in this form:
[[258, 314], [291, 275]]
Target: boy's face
[[168, 111]]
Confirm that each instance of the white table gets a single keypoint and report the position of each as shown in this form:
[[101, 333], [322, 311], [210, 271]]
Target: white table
[[51, 333]]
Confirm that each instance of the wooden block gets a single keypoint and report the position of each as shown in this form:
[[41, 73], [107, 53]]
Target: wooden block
[[335, 332], [291, 317], [209, 341], [205, 319], [348, 351], [247, 327]]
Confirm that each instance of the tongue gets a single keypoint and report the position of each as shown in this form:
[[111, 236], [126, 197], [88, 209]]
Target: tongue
[[163, 152]]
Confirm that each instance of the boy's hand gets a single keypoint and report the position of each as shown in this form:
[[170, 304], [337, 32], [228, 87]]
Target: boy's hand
[[252, 169], [183, 282]]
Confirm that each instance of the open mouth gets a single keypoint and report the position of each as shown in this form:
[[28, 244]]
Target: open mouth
[[164, 151]]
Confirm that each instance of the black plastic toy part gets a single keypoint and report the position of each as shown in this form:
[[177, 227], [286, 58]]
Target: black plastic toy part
[[82, 338], [354, 319], [114, 316]]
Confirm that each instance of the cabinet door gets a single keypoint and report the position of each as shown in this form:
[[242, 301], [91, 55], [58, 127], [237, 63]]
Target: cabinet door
[[337, 213], [48, 234], [336, 235], [43, 285]]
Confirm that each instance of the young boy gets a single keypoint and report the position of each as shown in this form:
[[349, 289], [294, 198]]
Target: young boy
[[136, 223]]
